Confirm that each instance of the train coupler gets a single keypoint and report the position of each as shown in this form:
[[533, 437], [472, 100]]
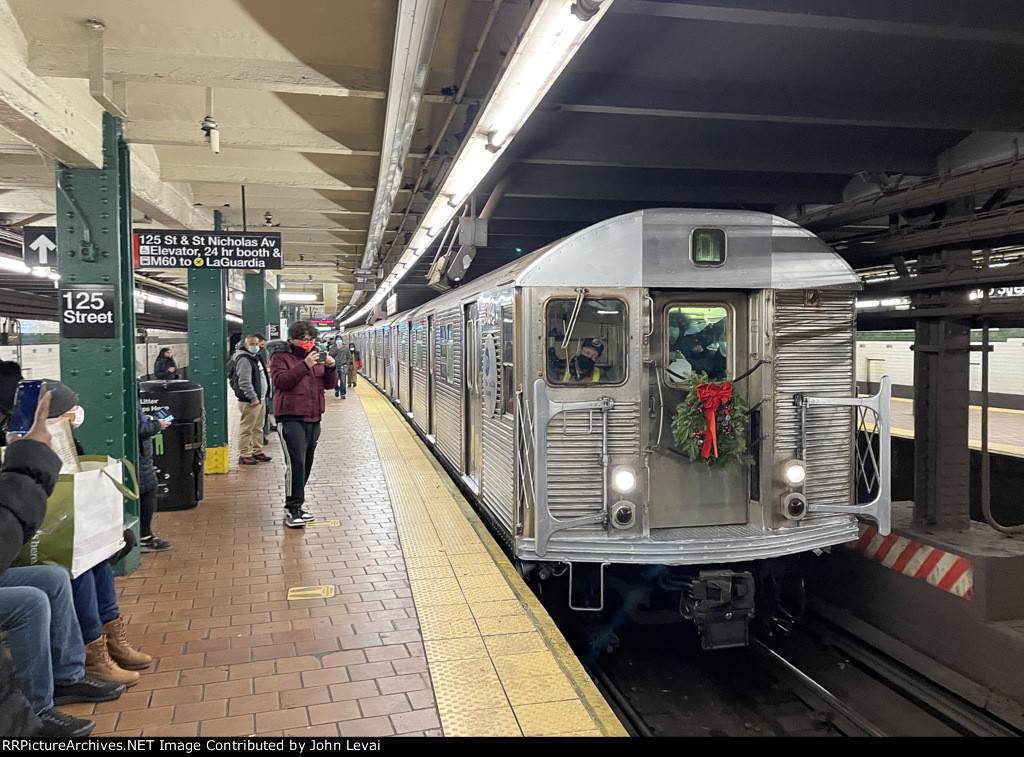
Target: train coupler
[[721, 605]]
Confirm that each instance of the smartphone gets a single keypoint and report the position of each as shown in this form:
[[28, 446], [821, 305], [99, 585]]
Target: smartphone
[[321, 357], [163, 414], [26, 398]]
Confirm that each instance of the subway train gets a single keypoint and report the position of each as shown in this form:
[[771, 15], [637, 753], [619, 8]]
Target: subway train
[[554, 390]]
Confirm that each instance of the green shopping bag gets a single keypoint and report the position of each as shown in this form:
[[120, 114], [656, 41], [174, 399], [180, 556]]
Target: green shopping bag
[[84, 523]]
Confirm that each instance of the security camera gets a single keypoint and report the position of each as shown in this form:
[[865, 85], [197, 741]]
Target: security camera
[[209, 127], [268, 220]]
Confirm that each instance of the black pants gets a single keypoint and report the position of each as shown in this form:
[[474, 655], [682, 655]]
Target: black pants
[[299, 441], [147, 506]]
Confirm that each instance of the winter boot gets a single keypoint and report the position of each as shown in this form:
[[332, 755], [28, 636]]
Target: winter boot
[[121, 650], [98, 664]]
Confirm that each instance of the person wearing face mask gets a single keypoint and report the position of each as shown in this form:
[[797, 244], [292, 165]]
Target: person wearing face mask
[[341, 357], [164, 368], [300, 376], [251, 385], [355, 362], [583, 367], [149, 427]]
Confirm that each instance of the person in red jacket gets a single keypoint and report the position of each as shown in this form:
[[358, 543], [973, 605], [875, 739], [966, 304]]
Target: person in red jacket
[[300, 376]]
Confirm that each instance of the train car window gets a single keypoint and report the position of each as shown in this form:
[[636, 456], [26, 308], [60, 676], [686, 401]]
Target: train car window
[[443, 343], [707, 247], [508, 401], [696, 339], [596, 349]]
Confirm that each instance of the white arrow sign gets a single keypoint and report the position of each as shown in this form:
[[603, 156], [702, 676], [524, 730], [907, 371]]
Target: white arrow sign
[[43, 246]]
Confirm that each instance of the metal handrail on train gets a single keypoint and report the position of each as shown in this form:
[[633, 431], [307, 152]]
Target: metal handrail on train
[[880, 508], [545, 410], [526, 477]]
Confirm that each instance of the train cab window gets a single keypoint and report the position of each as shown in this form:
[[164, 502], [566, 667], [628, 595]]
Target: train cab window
[[586, 341], [696, 339]]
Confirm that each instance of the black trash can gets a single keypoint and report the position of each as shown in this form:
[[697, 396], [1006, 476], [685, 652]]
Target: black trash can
[[179, 449]]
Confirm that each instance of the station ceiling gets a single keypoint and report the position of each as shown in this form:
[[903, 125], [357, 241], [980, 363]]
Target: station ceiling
[[785, 107]]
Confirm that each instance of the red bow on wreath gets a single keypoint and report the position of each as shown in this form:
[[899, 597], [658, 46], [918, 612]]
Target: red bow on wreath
[[712, 396]]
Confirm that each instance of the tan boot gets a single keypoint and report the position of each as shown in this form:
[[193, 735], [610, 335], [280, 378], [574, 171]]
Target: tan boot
[[99, 665], [121, 650]]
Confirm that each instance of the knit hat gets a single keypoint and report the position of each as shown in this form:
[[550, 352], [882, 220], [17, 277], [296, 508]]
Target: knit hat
[[594, 343], [63, 398]]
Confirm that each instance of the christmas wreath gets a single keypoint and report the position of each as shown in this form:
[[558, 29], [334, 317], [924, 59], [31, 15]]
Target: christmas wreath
[[711, 423]]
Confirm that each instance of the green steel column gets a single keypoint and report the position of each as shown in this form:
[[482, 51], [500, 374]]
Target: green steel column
[[207, 354], [273, 319], [274, 307], [254, 304], [94, 247]]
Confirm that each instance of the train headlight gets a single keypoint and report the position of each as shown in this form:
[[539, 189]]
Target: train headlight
[[623, 479], [793, 473]]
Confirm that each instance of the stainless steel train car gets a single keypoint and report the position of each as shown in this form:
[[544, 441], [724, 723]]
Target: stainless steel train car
[[573, 461]]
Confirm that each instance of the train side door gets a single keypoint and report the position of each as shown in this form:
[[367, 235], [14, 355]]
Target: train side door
[[410, 380], [431, 338], [693, 332], [473, 395]]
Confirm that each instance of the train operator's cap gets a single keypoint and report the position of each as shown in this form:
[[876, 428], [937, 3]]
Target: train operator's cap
[[594, 343]]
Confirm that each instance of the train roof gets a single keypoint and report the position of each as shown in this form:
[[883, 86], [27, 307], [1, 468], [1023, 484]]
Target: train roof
[[651, 248]]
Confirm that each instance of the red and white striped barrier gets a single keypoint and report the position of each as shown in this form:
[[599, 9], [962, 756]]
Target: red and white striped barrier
[[945, 570]]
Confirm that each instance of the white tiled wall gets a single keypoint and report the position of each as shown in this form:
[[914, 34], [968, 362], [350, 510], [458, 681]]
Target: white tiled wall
[[43, 360], [1006, 365]]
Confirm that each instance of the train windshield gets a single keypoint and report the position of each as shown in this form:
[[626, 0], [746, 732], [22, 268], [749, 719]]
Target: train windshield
[[697, 340], [586, 341]]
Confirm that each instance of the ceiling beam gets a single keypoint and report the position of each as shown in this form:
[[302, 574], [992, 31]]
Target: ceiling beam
[[885, 26], [236, 136], [917, 194], [163, 67], [266, 176], [63, 124]]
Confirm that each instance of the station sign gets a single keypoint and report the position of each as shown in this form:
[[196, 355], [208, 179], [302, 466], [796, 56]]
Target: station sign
[[323, 323], [365, 280], [88, 311], [207, 249], [39, 246]]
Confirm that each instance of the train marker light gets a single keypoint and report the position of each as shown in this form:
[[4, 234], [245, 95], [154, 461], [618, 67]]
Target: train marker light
[[793, 473], [623, 479]]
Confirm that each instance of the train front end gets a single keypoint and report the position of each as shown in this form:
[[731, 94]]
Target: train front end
[[688, 415]]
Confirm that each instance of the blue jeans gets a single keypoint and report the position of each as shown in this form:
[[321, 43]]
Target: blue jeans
[[95, 600], [37, 614]]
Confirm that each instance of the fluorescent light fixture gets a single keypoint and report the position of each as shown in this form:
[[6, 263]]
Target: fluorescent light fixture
[[553, 35], [298, 297], [10, 264], [862, 304], [239, 296]]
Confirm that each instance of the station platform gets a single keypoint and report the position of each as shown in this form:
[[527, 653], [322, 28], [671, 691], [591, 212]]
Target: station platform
[[405, 618], [1006, 427]]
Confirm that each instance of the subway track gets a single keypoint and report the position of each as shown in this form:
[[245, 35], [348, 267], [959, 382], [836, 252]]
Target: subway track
[[819, 681]]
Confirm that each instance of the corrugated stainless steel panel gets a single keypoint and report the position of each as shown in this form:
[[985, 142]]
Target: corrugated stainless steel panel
[[499, 469], [403, 367], [575, 472], [449, 405], [814, 354], [419, 375]]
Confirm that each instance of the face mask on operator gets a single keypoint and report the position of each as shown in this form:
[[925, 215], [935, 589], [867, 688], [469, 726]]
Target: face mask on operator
[[253, 348]]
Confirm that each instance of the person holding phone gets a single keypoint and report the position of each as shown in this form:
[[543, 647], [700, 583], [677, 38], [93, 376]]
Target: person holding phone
[[37, 612], [300, 379], [149, 427]]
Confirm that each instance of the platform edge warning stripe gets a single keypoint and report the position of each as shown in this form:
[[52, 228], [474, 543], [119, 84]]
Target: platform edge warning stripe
[[945, 570], [589, 696]]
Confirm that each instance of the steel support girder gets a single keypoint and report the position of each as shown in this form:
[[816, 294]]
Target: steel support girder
[[208, 344], [254, 304], [95, 204], [942, 472]]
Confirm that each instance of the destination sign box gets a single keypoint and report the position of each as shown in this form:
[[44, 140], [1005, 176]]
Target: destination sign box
[[207, 249]]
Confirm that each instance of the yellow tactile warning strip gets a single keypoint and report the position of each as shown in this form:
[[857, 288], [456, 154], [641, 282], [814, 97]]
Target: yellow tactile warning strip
[[498, 664]]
